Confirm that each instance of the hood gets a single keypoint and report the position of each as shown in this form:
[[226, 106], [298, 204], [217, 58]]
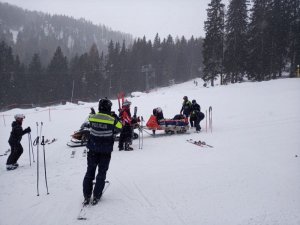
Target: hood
[[15, 123]]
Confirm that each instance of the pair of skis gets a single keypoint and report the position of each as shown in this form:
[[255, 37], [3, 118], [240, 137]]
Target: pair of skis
[[37, 143], [199, 143], [82, 212]]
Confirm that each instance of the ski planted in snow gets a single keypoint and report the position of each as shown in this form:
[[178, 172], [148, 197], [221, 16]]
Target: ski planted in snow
[[82, 212], [199, 143]]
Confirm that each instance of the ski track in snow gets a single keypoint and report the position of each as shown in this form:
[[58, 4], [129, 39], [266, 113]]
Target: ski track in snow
[[249, 177]]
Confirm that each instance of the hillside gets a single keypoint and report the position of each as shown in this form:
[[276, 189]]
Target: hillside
[[249, 177], [30, 32]]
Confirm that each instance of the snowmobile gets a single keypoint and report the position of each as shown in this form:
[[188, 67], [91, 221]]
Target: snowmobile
[[81, 136]]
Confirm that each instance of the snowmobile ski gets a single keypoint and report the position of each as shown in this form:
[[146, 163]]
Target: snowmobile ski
[[73, 144]]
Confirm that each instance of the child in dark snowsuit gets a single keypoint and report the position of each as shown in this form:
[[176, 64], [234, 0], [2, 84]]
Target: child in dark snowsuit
[[15, 142]]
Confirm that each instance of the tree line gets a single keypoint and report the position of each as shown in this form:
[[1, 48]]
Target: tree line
[[30, 32], [93, 75], [257, 43], [254, 43]]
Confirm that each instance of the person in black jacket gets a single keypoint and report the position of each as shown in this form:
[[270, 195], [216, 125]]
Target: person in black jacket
[[196, 116], [194, 109], [100, 145], [186, 107], [15, 142]]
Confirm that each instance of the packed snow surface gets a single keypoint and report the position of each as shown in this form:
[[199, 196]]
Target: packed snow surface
[[249, 177]]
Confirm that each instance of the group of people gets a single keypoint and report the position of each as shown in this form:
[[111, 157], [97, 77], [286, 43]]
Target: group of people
[[192, 110], [103, 127]]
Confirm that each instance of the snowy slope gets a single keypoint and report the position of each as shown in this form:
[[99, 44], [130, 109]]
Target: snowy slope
[[250, 177]]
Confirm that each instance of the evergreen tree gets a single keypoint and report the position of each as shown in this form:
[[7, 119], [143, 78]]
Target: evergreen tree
[[278, 31], [109, 68], [169, 60], [7, 75], [58, 80], [260, 44], [94, 73], [157, 59], [181, 65], [35, 80], [235, 54], [195, 57], [213, 42], [293, 16], [123, 75]]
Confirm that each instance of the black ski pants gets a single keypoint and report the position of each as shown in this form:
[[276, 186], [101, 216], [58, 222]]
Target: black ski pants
[[125, 136], [94, 160], [16, 152], [200, 116]]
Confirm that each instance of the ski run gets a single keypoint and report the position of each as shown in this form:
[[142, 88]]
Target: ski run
[[250, 175]]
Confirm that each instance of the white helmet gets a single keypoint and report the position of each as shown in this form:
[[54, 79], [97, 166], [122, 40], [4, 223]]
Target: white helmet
[[19, 116], [126, 103]]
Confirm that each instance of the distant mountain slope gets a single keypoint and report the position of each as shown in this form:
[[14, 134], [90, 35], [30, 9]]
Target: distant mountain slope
[[30, 32]]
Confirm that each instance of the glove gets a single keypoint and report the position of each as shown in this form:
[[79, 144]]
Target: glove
[[92, 111], [27, 130]]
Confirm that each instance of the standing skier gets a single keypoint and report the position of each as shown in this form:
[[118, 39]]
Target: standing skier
[[126, 132], [186, 107], [15, 142], [100, 145]]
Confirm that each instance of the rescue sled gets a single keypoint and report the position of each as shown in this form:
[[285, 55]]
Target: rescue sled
[[179, 124]]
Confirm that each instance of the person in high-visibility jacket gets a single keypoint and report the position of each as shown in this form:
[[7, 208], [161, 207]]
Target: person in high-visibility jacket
[[100, 145]]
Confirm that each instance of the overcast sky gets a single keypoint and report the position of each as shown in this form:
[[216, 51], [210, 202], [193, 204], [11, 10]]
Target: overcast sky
[[137, 17]]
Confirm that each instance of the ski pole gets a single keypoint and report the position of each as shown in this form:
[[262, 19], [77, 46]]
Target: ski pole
[[43, 144], [142, 133], [37, 155], [139, 137], [29, 149], [206, 121], [210, 118], [41, 129]]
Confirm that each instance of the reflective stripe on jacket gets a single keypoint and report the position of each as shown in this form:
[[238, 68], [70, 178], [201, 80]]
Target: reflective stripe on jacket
[[102, 129]]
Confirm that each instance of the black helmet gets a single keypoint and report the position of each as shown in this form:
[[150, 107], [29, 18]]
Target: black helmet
[[194, 101], [104, 105], [185, 98]]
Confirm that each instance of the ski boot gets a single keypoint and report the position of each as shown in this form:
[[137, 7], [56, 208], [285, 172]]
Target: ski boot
[[86, 201], [95, 201], [128, 147], [11, 167]]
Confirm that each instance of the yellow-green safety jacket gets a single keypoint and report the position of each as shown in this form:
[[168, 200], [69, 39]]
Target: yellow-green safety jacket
[[102, 129]]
